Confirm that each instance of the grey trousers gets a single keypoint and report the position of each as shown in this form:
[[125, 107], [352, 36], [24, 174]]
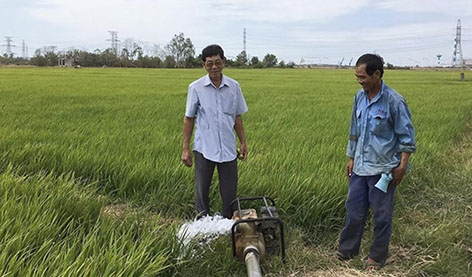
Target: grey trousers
[[228, 177]]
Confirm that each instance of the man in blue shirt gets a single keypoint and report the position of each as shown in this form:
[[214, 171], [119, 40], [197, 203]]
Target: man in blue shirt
[[216, 101], [381, 139]]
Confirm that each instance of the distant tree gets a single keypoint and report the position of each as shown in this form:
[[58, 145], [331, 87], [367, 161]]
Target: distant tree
[[290, 65], [38, 59], [181, 49], [133, 49], [138, 53], [390, 66], [229, 63], [109, 58], [157, 51], [169, 62], [241, 59], [83, 58], [270, 60], [5, 59], [72, 54], [197, 62], [148, 62], [130, 56], [157, 62], [192, 62], [50, 54], [46, 56], [282, 64], [124, 57], [255, 62]]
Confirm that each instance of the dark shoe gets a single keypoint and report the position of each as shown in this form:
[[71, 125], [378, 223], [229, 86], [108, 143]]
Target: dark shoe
[[338, 255], [372, 264]]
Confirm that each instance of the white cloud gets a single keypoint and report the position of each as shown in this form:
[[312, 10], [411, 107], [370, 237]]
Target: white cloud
[[289, 29], [131, 18], [204, 21], [289, 11], [145, 15], [443, 7]]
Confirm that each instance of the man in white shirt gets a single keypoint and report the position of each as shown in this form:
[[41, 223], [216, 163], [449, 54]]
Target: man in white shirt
[[216, 101]]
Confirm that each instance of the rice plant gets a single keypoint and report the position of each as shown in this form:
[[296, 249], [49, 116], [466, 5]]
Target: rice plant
[[71, 135]]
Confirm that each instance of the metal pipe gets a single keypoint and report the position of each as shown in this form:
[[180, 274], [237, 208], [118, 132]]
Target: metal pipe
[[252, 262]]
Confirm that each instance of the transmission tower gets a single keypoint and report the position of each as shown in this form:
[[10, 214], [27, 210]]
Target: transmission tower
[[23, 49], [244, 41], [457, 58], [8, 40], [114, 41]]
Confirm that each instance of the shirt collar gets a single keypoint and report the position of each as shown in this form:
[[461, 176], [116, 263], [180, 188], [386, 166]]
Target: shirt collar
[[207, 81], [377, 97]]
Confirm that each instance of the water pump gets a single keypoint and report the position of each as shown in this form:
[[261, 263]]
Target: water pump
[[254, 236]]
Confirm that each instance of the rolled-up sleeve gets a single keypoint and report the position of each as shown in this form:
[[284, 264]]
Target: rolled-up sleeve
[[353, 135], [404, 128], [192, 102]]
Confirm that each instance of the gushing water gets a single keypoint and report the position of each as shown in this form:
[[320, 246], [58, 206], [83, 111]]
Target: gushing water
[[204, 229]]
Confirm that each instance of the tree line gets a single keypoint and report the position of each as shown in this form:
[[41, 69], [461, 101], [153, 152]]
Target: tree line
[[178, 53]]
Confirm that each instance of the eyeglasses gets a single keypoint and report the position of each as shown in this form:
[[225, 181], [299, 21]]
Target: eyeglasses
[[210, 64]]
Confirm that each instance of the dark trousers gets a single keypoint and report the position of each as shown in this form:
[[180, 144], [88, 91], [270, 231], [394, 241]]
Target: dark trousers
[[228, 177], [362, 195]]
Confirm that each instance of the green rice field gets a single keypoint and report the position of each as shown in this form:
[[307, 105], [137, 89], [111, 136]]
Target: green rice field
[[75, 142]]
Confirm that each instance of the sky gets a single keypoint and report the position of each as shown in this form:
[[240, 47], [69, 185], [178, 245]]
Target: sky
[[403, 32]]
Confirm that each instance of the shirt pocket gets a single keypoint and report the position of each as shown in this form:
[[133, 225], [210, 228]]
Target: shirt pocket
[[358, 121], [380, 125], [358, 113], [229, 103]]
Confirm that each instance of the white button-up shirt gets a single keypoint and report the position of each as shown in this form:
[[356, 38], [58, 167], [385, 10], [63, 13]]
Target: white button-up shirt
[[216, 110]]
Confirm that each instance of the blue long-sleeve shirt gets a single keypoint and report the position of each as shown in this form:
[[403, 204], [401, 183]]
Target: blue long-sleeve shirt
[[380, 130]]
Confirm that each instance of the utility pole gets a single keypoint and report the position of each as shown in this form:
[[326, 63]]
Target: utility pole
[[8, 40], [23, 50], [244, 40], [114, 41], [244, 46]]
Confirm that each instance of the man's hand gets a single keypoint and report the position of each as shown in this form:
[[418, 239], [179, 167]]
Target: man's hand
[[242, 152], [349, 167], [187, 157], [398, 173], [238, 127], [187, 133]]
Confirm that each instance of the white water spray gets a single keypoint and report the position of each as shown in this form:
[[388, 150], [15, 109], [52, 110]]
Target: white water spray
[[204, 229]]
